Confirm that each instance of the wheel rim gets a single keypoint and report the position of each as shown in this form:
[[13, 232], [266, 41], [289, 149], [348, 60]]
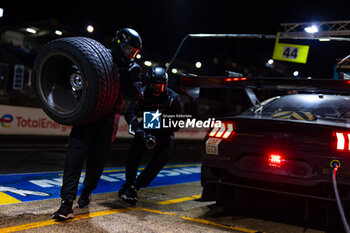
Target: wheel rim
[[61, 84]]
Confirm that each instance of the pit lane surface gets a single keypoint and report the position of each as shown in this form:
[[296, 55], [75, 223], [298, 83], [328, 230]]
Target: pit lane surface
[[16, 188], [166, 208], [161, 209], [170, 205]]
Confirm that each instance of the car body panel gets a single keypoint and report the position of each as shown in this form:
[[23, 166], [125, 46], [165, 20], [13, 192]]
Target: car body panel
[[305, 149]]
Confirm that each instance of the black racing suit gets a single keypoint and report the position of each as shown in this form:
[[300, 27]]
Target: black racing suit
[[169, 103], [93, 141]]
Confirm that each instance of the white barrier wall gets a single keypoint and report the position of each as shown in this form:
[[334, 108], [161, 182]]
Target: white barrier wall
[[16, 120]]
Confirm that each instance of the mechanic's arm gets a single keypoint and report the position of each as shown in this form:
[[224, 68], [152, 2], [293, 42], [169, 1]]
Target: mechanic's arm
[[132, 112], [131, 118], [130, 84]]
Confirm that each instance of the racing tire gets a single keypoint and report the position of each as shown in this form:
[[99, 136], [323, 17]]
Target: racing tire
[[75, 80]]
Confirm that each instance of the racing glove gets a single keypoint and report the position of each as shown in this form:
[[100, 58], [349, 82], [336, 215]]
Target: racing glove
[[140, 133]]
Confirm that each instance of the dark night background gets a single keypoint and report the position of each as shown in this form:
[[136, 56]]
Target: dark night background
[[163, 23]]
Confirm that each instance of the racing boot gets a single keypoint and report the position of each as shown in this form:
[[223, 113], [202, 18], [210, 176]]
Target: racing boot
[[84, 199], [128, 193], [65, 212]]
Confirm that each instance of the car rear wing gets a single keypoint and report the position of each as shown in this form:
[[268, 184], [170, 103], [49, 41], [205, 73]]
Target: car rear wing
[[266, 83], [191, 85]]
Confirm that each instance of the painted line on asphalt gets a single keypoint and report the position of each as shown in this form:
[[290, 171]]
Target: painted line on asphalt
[[53, 222], [203, 221], [115, 211], [199, 220], [178, 200], [7, 199], [41, 186]]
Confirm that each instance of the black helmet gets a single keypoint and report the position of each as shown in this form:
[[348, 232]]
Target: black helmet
[[158, 80], [128, 41]]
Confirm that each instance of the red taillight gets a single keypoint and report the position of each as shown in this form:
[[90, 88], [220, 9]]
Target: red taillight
[[275, 160], [343, 140], [235, 79], [340, 141], [225, 130]]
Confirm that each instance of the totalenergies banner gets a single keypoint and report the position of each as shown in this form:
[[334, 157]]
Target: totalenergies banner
[[16, 120]]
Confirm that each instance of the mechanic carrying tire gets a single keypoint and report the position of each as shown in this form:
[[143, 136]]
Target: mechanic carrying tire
[[93, 97], [159, 99]]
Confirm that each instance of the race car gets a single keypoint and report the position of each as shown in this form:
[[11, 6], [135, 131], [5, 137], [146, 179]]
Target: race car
[[286, 145]]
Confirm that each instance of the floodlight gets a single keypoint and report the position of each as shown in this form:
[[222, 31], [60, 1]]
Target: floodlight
[[31, 30], [90, 28], [58, 32], [147, 63], [311, 29]]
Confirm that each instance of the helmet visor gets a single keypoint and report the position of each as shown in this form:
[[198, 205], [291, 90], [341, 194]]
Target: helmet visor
[[157, 88], [129, 51]]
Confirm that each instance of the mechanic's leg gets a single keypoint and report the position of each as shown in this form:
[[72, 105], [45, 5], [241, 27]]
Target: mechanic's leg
[[137, 149], [162, 153], [78, 144], [98, 155]]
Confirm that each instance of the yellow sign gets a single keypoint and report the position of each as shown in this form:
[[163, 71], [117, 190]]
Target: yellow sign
[[290, 52]]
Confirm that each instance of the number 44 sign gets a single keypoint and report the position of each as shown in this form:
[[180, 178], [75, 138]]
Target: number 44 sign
[[290, 52]]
